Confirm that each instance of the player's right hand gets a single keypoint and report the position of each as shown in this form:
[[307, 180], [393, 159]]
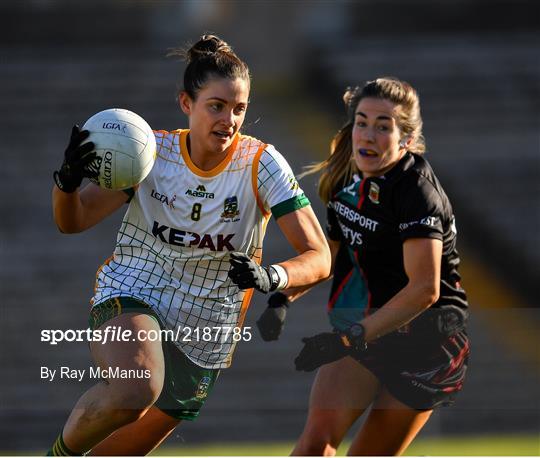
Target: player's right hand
[[77, 162], [246, 273], [272, 320], [320, 349]]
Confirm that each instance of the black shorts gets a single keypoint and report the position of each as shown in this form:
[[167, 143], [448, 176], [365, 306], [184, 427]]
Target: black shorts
[[422, 375]]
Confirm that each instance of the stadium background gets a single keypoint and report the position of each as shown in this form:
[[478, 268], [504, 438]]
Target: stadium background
[[475, 64]]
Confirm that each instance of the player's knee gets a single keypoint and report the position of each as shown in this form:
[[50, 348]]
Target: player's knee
[[317, 441], [327, 449], [316, 447], [121, 417], [135, 396], [130, 400]]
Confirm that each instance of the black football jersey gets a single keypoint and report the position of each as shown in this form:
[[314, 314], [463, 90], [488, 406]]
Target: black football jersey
[[374, 216]]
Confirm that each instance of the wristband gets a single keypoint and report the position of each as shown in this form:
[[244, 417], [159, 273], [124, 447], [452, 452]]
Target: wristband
[[283, 278]]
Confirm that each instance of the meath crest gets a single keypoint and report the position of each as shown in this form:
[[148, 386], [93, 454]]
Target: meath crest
[[202, 388], [230, 207]]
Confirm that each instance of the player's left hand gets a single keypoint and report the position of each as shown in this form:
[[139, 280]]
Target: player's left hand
[[246, 273], [320, 349], [272, 320]]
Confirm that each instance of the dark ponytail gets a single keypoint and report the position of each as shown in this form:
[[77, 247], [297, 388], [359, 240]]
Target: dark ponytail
[[210, 57]]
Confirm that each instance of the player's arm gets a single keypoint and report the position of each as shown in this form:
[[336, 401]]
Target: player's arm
[[422, 256], [303, 231], [334, 242], [272, 320], [79, 210], [422, 262], [294, 293], [74, 210], [278, 193]]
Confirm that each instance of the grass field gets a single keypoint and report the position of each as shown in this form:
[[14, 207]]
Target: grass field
[[500, 445], [519, 445]]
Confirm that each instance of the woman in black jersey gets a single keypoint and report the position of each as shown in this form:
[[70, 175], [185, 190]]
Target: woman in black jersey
[[399, 342]]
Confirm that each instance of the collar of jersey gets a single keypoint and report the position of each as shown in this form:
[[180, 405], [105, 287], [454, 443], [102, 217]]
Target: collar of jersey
[[405, 163], [206, 173]]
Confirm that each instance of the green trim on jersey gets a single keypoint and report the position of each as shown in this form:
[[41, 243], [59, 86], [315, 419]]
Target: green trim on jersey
[[130, 192], [290, 205]]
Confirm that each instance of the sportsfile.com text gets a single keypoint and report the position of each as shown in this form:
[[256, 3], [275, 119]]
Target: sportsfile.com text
[[117, 334]]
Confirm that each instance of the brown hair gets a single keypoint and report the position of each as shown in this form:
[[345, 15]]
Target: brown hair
[[338, 168], [210, 57]]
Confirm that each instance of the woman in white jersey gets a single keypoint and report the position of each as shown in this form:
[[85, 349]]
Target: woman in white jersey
[[186, 259]]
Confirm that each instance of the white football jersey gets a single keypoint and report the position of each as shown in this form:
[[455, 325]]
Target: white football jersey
[[172, 250]]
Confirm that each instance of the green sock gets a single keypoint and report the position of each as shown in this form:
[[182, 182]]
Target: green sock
[[59, 448]]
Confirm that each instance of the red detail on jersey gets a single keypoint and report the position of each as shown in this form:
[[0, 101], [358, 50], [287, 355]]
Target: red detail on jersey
[[368, 305], [361, 193], [335, 296], [361, 198]]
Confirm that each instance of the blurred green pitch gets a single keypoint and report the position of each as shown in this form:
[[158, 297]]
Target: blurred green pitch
[[488, 445], [500, 445]]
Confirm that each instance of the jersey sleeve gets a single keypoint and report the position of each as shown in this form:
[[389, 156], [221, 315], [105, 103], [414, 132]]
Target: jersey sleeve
[[277, 186], [420, 210]]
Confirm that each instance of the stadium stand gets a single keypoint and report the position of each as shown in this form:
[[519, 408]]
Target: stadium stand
[[480, 96]]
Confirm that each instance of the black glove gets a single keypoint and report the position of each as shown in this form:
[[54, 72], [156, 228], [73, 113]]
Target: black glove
[[272, 320], [320, 349], [77, 162], [246, 273]]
